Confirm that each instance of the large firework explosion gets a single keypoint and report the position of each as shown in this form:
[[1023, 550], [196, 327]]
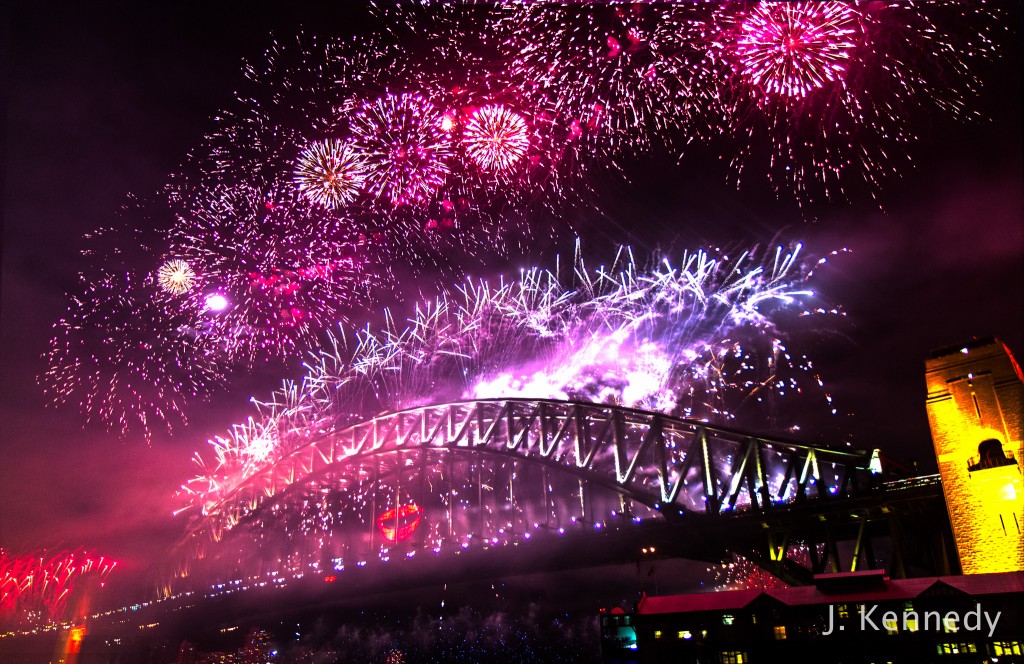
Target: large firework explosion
[[36, 588], [405, 145], [821, 96], [330, 173], [705, 338]]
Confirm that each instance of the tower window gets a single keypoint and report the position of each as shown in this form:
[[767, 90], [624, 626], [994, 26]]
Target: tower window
[[990, 455]]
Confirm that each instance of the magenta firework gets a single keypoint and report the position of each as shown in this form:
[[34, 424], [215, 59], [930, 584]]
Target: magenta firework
[[405, 146], [126, 362], [821, 96], [274, 276], [37, 587], [793, 49], [496, 138]]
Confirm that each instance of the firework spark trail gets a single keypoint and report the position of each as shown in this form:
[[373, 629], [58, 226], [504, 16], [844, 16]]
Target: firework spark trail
[[35, 588], [705, 338], [610, 69]]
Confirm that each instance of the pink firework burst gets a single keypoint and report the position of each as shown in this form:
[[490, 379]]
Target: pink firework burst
[[127, 363], [329, 173], [820, 97], [496, 138], [276, 272], [793, 49], [405, 145]]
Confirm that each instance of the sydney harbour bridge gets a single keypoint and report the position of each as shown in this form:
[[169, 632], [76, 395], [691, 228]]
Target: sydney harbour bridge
[[476, 478]]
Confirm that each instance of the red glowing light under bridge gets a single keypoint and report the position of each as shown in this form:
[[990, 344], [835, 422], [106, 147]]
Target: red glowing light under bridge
[[399, 523]]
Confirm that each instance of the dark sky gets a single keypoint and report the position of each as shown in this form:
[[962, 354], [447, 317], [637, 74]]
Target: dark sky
[[105, 99]]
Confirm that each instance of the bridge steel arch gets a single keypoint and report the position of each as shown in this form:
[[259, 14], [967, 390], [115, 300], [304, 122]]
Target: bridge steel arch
[[670, 465]]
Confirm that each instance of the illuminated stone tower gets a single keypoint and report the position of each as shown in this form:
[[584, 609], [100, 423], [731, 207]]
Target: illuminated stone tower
[[976, 413]]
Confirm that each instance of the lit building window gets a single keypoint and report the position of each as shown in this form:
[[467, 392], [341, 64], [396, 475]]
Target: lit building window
[[657, 633], [732, 657], [685, 634], [1007, 648], [780, 632], [949, 625], [728, 619], [844, 611]]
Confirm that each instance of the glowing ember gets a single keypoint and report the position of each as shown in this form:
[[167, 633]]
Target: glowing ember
[[216, 302]]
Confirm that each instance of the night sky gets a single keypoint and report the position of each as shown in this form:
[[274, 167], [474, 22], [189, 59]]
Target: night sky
[[106, 100]]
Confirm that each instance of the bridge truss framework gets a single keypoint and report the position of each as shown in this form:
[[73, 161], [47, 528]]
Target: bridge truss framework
[[494, 472]]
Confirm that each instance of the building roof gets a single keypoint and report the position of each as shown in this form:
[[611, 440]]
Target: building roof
[[987, 584], [871, 591], [691, 602]]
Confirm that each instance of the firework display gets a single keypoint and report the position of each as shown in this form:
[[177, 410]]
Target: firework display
[[706, 338], [452, 134], [36, 588]]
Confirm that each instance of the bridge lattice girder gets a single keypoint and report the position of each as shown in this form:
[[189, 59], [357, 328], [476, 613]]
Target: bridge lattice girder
[[671, 464]]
